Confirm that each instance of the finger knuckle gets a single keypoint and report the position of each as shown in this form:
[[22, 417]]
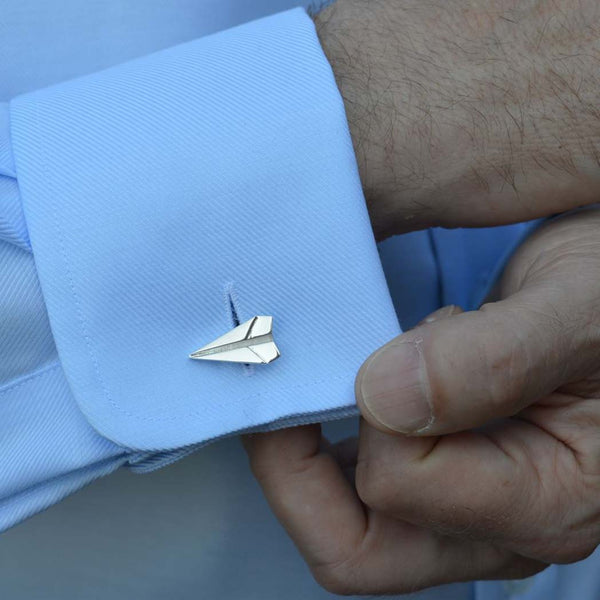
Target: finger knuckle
[[333, 584], [337, 578], [507, 366], [520, 568], [571, 552], [374, 484]]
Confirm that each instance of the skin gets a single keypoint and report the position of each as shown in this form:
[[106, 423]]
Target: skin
[[478, 113], [469, 113]]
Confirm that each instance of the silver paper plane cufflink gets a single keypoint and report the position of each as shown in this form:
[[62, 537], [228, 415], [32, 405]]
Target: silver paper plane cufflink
[[250, 342]]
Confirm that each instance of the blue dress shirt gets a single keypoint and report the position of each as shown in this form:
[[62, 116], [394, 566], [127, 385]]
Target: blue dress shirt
[[146, 193]]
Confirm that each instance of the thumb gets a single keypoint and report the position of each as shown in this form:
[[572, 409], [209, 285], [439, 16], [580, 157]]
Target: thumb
[[459, 371]]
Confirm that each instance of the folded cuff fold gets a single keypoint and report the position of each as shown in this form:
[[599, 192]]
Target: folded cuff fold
[[155, 190]]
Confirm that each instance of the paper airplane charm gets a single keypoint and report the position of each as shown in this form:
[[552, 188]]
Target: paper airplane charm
[[250, 342]]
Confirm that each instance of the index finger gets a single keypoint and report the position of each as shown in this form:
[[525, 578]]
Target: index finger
[[308, 492], [349, 548]]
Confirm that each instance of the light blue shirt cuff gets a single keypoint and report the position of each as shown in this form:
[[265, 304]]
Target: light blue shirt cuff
[[159, 193], [12, 222]]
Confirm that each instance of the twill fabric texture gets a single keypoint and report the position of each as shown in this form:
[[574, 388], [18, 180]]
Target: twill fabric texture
[[166, 180], [154, 194]]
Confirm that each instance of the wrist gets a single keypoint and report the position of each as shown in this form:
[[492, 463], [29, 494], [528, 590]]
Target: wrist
[[343, 29], [409, 135], [458, 118]]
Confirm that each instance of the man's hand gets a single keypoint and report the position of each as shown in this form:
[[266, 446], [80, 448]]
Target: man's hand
[[479, 453], [469, 113], [451, 502]]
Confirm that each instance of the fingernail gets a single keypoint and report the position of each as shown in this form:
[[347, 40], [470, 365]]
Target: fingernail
[[393, 388], [442, 313]]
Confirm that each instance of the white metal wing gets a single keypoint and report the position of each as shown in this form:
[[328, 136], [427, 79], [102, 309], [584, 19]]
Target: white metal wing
[[250, 342]]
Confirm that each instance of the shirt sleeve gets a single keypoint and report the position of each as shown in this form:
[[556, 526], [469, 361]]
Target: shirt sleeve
[[170, 197], [47, 448], [12, 222]]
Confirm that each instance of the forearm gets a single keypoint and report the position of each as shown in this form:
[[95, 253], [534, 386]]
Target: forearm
[[481, 100]]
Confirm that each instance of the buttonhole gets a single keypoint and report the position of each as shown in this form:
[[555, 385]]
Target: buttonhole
[[235, 316]]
